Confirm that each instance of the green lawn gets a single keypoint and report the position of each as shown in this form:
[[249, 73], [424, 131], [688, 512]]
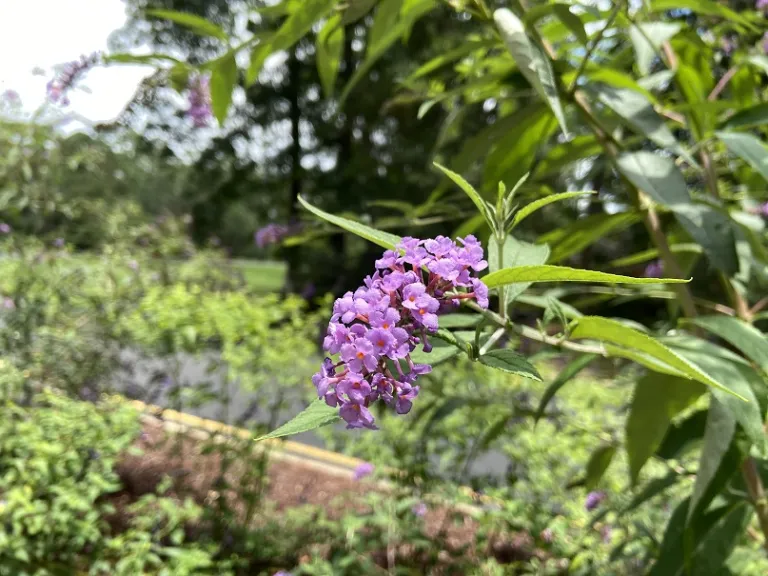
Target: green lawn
[[262, 276]]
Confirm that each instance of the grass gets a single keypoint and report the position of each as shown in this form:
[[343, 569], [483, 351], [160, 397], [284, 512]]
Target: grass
[[260, 275]]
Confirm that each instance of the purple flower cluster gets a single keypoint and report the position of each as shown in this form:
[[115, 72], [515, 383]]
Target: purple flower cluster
[[199, 97], [761, 5], [60, 85], [383, 321]]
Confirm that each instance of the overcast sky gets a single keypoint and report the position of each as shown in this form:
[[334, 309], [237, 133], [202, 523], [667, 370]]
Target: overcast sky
[[44, 33]]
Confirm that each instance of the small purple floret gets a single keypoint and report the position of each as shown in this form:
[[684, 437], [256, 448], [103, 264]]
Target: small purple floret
[[376, 328], [593, 500], [363, 470], [654, 270], [199, 97], [419, 509]]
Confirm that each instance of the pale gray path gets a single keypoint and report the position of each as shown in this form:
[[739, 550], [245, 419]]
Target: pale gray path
[[203, 375]]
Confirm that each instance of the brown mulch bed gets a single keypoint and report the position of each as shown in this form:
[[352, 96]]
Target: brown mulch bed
[[289, 484]]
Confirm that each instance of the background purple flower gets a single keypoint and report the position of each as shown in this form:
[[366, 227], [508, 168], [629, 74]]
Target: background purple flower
[[419, 509], [199, 97], [59, 242], [654, 270], [593, 500], [363, 470], [761, 4], [4, 228], [58, 87]]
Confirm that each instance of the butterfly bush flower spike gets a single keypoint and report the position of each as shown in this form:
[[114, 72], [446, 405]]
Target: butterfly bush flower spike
[[374, 329]]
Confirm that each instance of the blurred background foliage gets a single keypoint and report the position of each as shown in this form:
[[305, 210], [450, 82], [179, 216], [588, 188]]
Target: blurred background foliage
[[133, 245]]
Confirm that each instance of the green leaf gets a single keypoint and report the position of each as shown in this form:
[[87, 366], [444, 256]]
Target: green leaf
[[314, 416], [655, 175], [406, 22], [598, 464], [151, 59], [356, 9], [569, 240], [748, 148], [637, 113], [571, 21], [468, 190], [223, 81], [658, 177], [721, 426], [566, 375], [566, 153], [657, 33], [605, 330], [713, 231], [713, 536], [682, 436], [618, 79], [197, 24], [740, 379], [329, 45], [531, 60], [545, 302], [516, 253], [713, 552], [385, 19], [383, 239], [547, 273], [651, 490], [759, 61], [295, 27], [744, 337], [510, 361], [529, 209], [748, 117], [514, 154], [704, 7], [465, 49], [657, 400]]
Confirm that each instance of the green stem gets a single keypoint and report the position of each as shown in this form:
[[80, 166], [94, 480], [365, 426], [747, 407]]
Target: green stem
[[595, 43], [502, 289], [533, 334]]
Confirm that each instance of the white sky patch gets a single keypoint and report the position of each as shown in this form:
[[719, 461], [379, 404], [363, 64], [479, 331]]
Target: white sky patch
[[46, 33]]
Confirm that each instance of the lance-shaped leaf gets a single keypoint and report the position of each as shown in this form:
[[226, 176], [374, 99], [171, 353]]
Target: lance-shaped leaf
[[647, 38], [468, 190], [529, 209], [383, 239], [387, 13], [719, 431], [611, 331], [330, 44], [748, 148], [748, 117], [637, 112], [547, 273], [745, 337], [741, 380], [223, 80], [295, 27], [531, 60], [510, 361], [196, 24], [705, 7], [598, 464], [417, 9], [658, 177], [658, 398], [316, 415]]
